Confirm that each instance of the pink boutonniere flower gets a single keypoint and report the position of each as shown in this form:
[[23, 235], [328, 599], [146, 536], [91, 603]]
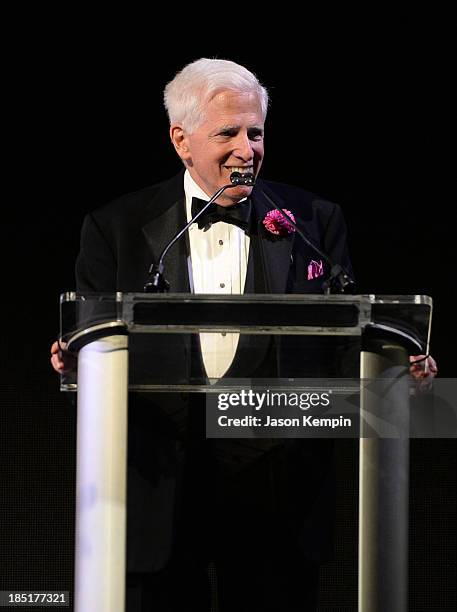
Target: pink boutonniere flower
[[277, 224]]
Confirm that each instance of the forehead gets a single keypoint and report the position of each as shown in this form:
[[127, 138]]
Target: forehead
[[230, 106]]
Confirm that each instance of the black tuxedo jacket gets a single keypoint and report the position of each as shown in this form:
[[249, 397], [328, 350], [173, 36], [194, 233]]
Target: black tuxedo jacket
[[118, 244], [120, 240]]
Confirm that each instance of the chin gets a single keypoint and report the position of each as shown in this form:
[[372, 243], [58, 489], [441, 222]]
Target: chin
[[238, 192]]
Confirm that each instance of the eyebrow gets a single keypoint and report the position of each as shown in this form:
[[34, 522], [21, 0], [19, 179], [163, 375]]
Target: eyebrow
[[228, 128]]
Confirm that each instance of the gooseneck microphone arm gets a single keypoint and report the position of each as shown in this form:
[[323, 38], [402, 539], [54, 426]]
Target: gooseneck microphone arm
[[339, 280], [157, 283]]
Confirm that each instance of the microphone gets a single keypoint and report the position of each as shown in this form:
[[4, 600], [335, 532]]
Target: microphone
[[339, 280], [242, 179], [157, 282]]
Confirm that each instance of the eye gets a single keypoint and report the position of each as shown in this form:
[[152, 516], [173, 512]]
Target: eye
[[229, 133], [255, 134]]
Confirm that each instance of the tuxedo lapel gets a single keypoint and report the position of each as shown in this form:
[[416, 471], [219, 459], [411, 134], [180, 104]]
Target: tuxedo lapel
[[164, 217], [267, 272], [251, 349], [276, 251]]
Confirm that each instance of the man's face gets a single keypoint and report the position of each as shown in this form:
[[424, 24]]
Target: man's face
[[230, 138]]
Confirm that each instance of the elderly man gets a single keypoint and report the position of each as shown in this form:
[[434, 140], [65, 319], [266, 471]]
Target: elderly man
[[250, 512]]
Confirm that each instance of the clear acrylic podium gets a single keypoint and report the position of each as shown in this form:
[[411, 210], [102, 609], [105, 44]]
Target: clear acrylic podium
[[149, 343]]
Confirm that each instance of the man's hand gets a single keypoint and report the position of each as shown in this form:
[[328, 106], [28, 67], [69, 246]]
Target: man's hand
[[62, 360], [423, 369]]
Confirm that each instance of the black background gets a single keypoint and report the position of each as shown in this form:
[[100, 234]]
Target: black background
[[360, 114]]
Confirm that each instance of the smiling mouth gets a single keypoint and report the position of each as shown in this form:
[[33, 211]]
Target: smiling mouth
[[240, 169]]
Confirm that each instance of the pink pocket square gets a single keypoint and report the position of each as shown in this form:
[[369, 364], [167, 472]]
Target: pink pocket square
[[315, 269]]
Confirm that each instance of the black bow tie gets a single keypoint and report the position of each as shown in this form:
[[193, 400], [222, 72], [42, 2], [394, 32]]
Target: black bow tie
[[238, 214]]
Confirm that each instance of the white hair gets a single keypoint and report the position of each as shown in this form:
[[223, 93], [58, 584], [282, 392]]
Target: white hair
[[197, 83]]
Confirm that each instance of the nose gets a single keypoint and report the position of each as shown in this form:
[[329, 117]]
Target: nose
[[243, 147]]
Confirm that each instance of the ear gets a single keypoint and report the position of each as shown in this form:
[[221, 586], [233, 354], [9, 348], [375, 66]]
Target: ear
[[180, 141]]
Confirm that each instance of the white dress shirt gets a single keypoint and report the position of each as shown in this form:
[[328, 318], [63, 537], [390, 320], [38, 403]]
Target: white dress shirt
[[217, 264]]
